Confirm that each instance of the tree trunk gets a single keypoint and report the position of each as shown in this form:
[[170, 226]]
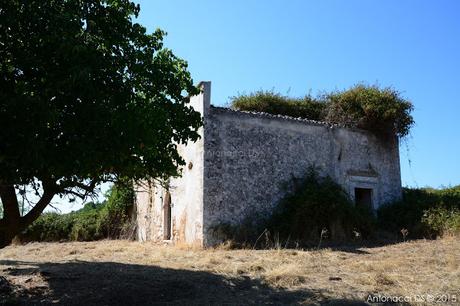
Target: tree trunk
[[7, 233], [11, 218], [12, 223]]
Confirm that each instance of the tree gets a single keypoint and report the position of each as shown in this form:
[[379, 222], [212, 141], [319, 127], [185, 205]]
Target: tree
[[86, 96]]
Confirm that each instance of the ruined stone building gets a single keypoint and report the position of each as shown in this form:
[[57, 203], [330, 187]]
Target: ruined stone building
[[237, 167]]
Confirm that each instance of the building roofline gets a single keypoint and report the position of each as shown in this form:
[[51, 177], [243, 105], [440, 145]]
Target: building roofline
[[221, 109]]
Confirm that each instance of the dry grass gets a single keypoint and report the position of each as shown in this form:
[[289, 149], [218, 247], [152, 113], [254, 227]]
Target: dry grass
[[120, 272]]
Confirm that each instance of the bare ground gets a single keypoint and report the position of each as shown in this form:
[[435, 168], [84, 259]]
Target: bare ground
[[133, 273]]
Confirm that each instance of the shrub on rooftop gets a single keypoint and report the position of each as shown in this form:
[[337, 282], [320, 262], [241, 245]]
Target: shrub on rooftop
[[277, 104], [382, 111]]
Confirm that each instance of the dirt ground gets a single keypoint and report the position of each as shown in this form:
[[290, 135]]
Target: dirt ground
[[133, 273]]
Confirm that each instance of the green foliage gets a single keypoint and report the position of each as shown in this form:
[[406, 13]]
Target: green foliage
[[319, 203], [422, 211], [86, 226], [115, 216], [82, 89], [109, 219], [274, 103], [86, 96], [380, 110], [50, 227], [314, 206], [442, 221]]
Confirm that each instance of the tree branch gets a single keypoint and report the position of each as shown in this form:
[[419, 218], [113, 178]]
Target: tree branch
[[49, 190], [88, 188]]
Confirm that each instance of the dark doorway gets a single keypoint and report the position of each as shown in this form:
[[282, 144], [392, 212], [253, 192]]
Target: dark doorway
[[167, 216], [363, 197]]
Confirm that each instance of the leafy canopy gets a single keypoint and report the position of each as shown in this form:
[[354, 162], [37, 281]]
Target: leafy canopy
[[86, 95]]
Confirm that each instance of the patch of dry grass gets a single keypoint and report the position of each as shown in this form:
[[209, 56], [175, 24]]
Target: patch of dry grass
[[234, 276]]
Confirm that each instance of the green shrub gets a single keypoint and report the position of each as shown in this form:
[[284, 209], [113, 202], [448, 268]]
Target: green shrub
[[87, 226], [416, 208], [317, 204], [442, 221], [380, 110], [276, 104], [50, 227], [109, 219], [116, 214], [313, 205], [407, 213]]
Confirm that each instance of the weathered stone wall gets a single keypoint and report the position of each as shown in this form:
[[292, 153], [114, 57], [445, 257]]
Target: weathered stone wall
[[248, 156], [186, 193], [238, 167]]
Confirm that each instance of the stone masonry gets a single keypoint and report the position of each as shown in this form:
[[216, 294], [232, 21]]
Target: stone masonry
[[237, 168]]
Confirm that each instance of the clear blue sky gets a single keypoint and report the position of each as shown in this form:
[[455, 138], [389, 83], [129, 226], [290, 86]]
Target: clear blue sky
[[298, 46]]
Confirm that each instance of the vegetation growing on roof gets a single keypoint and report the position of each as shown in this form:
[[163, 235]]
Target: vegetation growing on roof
[[274, 103], [382, 111]]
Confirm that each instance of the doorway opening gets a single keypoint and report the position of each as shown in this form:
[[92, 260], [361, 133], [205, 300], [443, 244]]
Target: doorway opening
[[167, 216], [363, 197]]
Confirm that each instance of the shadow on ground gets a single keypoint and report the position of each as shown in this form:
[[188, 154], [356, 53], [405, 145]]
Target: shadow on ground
[[109, 283]]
